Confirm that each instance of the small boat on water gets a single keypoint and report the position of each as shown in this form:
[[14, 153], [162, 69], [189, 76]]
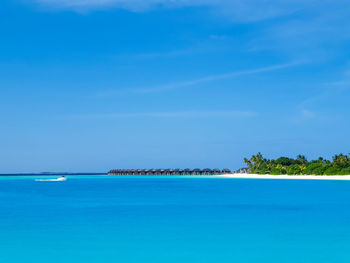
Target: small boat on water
[[59, 179]]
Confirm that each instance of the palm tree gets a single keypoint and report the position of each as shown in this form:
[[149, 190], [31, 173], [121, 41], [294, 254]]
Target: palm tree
[[248, 162], [302, 159], [341, 160]]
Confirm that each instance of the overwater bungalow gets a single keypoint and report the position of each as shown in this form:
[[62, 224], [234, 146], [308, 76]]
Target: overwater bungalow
[[187, 171], [207, 171], [216, 171], [197, 171], [226, 171]]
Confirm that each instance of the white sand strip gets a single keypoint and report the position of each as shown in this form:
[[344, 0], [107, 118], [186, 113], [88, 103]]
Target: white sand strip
[[268, 176]]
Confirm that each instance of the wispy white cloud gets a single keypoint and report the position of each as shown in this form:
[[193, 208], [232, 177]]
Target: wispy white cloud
[[216, 77], [203, 80], [307, 29], [340, 84], [132, 5], [239, 10], [329, 93], [307, 114], [315, 31], [174, 114], [167, 54]]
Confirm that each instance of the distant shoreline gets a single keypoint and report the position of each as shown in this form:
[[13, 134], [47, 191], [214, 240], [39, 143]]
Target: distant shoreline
[[291, 177], [53, 174], [232, 176]]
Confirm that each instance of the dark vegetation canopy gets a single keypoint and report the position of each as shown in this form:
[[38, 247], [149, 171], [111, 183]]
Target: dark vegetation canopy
[[339, 165]]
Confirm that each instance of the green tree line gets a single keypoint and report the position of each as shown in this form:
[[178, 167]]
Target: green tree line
[[339, 165]]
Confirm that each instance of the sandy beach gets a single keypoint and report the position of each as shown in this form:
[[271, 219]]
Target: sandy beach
[[297, 177]]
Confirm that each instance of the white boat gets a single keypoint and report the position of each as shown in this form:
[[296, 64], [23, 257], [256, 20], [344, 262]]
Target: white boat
[[59, 179]]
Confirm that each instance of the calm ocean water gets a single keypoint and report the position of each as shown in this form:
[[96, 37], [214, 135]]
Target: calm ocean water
[[166, 219]]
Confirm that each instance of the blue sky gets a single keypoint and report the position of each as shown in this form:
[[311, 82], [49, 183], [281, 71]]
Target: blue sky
[[91, 85]]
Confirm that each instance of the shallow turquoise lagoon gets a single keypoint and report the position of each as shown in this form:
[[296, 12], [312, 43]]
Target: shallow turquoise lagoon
[[172, 219]]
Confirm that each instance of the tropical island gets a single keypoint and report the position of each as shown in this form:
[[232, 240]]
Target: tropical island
[[339, 165], [338, 168]]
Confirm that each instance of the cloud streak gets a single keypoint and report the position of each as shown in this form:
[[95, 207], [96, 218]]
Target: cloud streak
[[203, 80], [211, 78], [303, 28], [174, 114], [132, 5], [238, 10]]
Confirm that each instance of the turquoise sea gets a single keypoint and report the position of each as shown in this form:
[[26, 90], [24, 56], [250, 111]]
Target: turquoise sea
[[174, 219]]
